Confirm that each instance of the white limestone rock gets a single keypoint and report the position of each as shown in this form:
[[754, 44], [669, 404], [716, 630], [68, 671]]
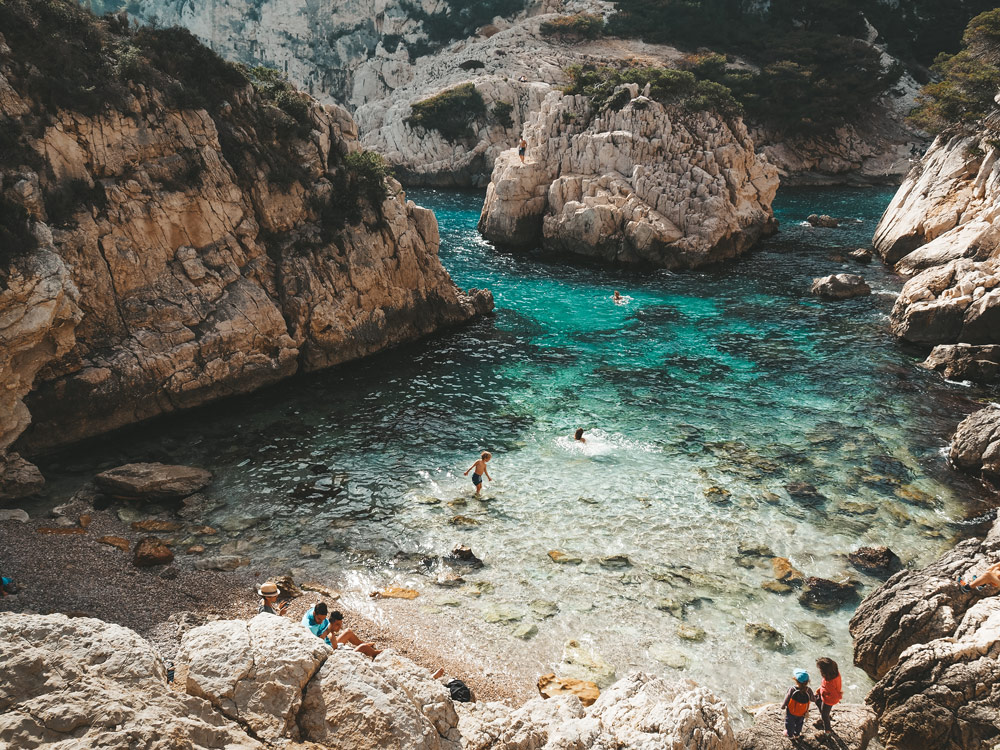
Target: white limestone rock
[[84, 683], [639, 184], [355, 703], [639, 712], [253, 671]]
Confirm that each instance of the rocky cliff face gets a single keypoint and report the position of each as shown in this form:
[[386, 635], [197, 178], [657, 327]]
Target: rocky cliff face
[[633, 184], [178, 254], [933, 650], [270, 680]]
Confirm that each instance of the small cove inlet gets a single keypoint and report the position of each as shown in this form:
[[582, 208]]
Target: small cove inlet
[[730, 417]]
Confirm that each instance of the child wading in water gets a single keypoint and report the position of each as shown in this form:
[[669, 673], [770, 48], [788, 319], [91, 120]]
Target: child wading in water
[[829, 693], [478, 469], [796, 704]]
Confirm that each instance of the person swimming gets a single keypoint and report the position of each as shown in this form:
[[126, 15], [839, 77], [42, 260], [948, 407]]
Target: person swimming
[[578, 435]]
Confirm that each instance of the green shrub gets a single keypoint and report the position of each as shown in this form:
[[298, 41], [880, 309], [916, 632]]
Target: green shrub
[[969, 80], [16, 238], [359, 182], [65, 200], [461, 18], [502, 112], [671, 88], [451, 112], [577, 26]]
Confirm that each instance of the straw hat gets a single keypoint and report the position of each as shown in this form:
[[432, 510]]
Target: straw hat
[[269, 588]]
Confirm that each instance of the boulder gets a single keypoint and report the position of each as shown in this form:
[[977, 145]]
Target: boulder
[[861, 255], [979, 364], [150, 551], [18, 477], [944, 693], [84, 683], [854, 727], [880, 562], [463, 555], [917, 607], [153, 482], [639, 712], [786, 573], [14, 514], [840, 286], [823, 220], [976, 446], [549, 685], [355, 703], [254, 672], [681, 190], [824, 594], [766, 635], [558, 556]]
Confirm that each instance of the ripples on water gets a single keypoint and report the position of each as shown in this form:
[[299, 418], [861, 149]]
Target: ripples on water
[[734, 379]]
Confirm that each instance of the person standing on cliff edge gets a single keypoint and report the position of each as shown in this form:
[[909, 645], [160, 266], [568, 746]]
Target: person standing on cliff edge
[[521, 148]]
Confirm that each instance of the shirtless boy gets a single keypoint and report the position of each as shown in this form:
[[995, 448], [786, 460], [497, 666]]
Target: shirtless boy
[[990, 578], [478, 470]]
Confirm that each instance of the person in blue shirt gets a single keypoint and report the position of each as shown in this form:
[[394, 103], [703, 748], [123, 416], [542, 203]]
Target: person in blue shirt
[[318, 622]]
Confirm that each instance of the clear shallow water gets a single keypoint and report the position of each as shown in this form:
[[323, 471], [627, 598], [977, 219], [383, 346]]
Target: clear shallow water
[[734, 379]]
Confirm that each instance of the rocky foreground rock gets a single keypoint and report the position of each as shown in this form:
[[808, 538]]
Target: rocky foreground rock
[[636, 184], [934, 651], [82, 682], [187, 252]]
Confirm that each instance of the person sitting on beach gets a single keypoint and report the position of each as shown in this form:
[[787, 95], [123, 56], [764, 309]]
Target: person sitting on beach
[[578, 435], [317, 622], [990, 578], [480, 470], [348, 638], [269, 603]]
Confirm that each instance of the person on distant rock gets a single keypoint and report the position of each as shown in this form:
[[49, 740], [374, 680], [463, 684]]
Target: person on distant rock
[[347, 638], [522, 147], [479, 470], [796, 704], [269, 593], [829, 694], [317, 622], [578, 435], [990, 578], [522, 79]]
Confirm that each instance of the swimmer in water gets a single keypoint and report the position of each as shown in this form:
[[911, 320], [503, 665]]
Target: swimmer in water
[[578, 436], [618, 298]]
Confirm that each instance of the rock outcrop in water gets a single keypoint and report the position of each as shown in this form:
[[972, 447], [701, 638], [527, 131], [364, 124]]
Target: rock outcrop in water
[[270, 679], [632, 184], [190, 239], [935, 652]]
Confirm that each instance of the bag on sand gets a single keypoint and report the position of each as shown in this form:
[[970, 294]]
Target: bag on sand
[[459, 691]]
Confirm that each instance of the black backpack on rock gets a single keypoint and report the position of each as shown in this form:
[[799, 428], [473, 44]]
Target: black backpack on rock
[[459, 691]]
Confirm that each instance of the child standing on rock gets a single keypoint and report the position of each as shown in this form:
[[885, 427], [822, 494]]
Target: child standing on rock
[[478, 470], [829, 693], [521, 148], [796, 704]]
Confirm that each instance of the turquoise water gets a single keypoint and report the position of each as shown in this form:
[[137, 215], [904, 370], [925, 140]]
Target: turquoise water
[[733, 379]]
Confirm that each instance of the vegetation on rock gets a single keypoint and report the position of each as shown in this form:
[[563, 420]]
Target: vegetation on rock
[[969, 79], [501, 112], [450, 112], [577, 26], [460, 19], [813, 71], [671, 88]]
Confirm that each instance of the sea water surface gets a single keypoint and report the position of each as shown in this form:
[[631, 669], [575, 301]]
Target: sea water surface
[[705, 397]]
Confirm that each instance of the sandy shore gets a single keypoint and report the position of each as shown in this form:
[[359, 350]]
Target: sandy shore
[[71, 572]]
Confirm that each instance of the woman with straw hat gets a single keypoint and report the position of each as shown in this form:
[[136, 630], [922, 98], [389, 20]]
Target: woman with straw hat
[[269, 593]]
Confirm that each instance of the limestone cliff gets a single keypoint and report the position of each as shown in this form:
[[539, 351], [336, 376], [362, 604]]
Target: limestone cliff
[[191, 233], [943, 229], [632, 183]]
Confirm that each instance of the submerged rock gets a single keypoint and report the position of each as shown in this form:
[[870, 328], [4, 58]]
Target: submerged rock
[[691, 632], [766, 635], [153, 481], [463, 555], [785, 572], [880, 562], [669, 655], [583, 663], [861, 255], [631, 183], [563, 558], [615, 561], [840, 286], [824, 594]]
